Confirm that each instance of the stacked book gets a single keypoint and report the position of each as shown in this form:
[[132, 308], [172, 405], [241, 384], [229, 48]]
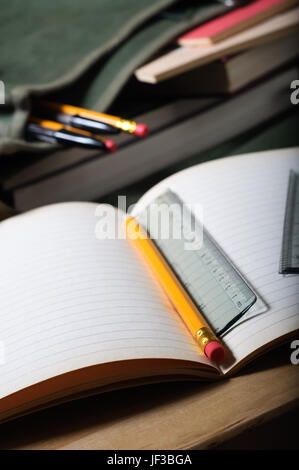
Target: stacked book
[[230, 52]]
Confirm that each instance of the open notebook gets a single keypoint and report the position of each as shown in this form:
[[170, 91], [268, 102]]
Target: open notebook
[[81, 315]]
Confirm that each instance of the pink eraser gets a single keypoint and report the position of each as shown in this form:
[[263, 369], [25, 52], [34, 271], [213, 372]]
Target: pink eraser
[[110, 146], [215, 351], [141, 130]]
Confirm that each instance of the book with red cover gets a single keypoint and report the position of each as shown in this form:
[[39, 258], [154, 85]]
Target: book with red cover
[[233, 22]]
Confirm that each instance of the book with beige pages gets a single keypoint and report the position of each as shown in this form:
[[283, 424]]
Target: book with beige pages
[[82, 313]]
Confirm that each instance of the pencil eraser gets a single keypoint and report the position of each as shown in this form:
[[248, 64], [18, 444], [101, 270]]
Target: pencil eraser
[[110, 146], [141, 130], [215, 351]]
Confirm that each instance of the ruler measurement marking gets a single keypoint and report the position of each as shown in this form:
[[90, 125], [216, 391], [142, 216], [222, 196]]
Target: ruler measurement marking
[[211, 279], [289, 262]]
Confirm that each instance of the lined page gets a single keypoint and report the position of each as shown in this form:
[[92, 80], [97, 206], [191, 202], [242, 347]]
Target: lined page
[[243, 202], [70, 300]]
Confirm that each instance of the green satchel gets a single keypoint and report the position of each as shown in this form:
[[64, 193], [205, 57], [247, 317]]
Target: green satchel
[[80, 53]]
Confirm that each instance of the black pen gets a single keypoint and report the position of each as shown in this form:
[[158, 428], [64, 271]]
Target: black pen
[[85, 123], [54, 132]]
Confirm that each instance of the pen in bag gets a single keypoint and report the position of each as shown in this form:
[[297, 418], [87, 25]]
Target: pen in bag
[[54, 132], [118, 123]]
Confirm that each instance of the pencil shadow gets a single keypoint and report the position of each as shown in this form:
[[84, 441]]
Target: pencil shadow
[[270, 360]]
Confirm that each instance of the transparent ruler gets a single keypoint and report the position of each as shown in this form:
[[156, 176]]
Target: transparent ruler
[[289, 262], [215, 285]]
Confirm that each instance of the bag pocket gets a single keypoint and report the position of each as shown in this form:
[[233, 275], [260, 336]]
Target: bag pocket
[[93, 77]]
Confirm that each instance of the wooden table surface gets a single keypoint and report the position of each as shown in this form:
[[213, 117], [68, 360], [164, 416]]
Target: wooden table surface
[[190, 415]]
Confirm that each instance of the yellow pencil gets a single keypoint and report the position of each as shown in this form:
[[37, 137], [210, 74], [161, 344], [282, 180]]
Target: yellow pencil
[[184, 305], [139, 129]]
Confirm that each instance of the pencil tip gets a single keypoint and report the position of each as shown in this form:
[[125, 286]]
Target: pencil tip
[[215, 351], [110, 146], [141, 130]]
